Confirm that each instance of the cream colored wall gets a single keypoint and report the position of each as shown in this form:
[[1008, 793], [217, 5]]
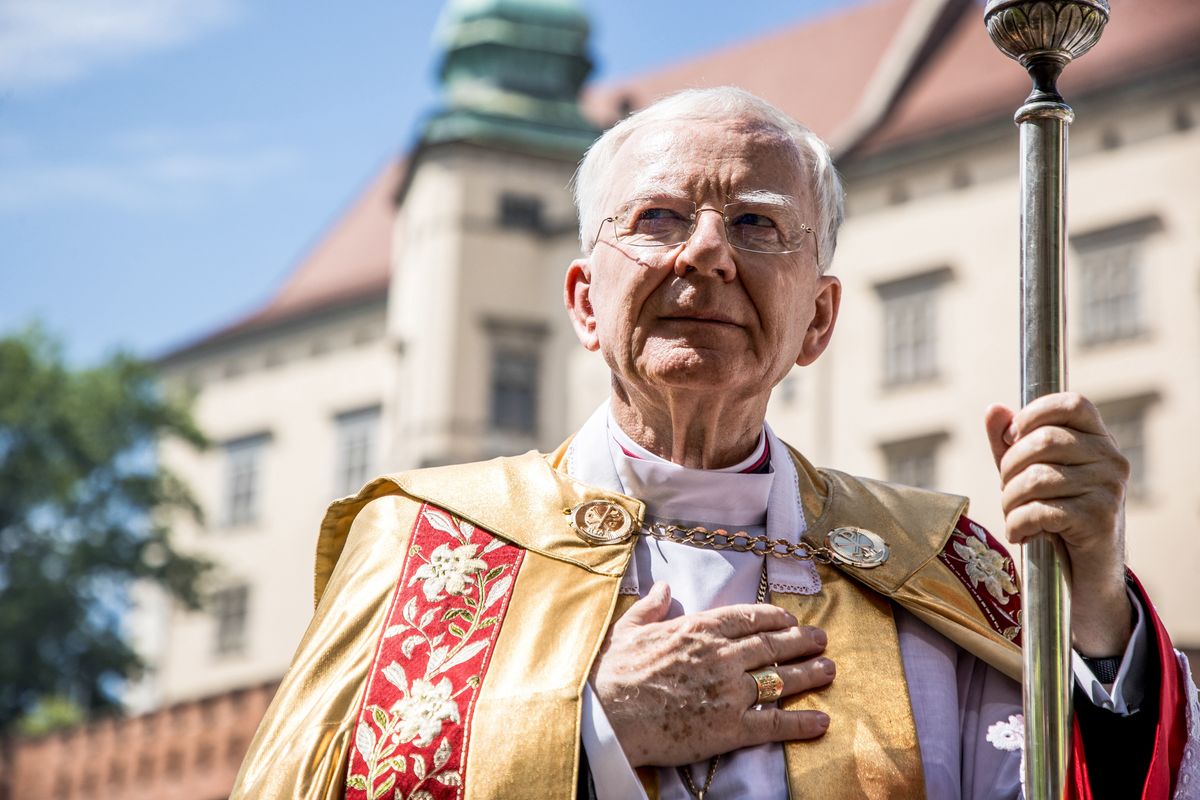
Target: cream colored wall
[[296, 402]]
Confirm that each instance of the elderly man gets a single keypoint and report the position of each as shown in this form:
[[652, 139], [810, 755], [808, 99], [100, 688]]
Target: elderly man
[[675, 603]]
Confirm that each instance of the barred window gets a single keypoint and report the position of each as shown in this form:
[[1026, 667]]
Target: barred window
[[1110, 282], [521, 212], [515, 379], [1126, 421], [357, 457], [514, 390], [910, 327], [230, 610], [243, 478], [914, 462]]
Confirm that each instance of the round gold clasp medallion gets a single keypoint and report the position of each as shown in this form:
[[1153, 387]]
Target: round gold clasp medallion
[[601, 522], [856, 547]]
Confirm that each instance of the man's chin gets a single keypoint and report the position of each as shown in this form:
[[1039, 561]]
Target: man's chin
[[696, 367]]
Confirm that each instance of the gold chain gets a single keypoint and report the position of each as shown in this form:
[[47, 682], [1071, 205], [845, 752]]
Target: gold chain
[[739, 542], [685, 771]]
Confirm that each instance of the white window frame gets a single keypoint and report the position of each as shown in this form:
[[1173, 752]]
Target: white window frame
[[243, 489], [230, 608]]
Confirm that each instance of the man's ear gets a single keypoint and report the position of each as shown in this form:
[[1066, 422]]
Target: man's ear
[[577, 294], [820, 328]]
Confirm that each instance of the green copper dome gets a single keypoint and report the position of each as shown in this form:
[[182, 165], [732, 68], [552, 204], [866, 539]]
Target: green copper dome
[[566, 10], [511, 75]]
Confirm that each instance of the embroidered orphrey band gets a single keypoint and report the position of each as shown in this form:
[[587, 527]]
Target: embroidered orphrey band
[[410, 742]]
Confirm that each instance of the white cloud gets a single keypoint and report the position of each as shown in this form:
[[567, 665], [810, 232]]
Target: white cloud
[[44, 42], [163, 180]]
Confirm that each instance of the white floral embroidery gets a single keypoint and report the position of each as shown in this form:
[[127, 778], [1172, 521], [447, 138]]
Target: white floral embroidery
[[1008, 735], [450, 569], [424, 710], [986, 566]]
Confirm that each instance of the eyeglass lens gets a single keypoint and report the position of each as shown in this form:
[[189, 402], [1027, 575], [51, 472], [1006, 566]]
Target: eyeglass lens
[[662, 222]]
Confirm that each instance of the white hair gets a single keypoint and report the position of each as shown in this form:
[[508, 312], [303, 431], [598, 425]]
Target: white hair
[[723, 103]]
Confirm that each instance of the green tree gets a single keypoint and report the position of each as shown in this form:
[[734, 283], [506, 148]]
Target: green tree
[[82, 507]]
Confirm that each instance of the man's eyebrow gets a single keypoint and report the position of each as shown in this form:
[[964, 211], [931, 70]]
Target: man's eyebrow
[[655, 188], [763, 196]]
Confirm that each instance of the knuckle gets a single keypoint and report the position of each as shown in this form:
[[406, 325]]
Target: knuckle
[[1074, 402], [780, 725], [1043, 438], [1124, 467], [768, 645], [1046, 475], [743, 618]]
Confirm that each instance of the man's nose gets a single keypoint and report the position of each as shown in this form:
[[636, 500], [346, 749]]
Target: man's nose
[[707, 250]]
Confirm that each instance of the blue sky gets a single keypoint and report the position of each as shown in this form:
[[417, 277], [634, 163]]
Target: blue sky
[[165, 163]]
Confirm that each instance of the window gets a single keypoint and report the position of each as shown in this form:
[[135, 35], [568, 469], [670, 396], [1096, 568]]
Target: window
[[1126, 421], [910, 327], [515, 377], [1110, 267], [514, 390], [230, 608], [913, 462], [357, 449], [243, 468], [521, 212]]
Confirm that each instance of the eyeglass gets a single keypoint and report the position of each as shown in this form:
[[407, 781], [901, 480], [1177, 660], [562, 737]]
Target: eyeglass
[[758, 227]]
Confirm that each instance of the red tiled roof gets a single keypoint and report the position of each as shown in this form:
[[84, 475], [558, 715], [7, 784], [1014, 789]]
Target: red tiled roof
[[353, 258], [967, 79], [817, 71]]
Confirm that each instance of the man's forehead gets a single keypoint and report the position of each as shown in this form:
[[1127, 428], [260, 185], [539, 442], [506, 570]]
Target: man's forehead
[[682, 155]]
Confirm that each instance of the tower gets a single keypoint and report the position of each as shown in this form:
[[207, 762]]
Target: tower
[[484, 232]]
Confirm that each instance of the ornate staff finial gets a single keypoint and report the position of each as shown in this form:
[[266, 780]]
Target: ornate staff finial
[[1044, 35]]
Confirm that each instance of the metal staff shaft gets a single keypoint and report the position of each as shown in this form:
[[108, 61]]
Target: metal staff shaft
[[1044, 36], [1046, 691]]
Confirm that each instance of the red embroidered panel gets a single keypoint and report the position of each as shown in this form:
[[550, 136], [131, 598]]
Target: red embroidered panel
[[411, 739], [984, 568]]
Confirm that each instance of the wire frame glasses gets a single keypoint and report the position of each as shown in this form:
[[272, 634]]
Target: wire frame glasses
[[757, 227]]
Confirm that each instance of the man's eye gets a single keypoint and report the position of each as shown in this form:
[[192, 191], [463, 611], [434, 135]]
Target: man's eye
[[754, 220], [657, 224], [658, 214]]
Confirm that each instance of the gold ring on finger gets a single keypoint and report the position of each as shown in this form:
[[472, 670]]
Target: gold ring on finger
[[769, 683]]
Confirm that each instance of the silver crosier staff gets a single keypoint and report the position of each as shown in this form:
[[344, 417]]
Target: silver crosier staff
[[1044, 35]]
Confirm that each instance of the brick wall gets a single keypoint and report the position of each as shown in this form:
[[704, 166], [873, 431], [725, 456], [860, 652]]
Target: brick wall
[[189, 751]]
